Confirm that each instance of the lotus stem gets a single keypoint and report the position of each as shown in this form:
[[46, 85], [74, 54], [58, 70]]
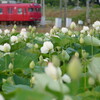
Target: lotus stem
[[91, 46], [5, 62]]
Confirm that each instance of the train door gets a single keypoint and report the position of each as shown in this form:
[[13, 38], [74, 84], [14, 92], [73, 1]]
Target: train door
[[10, 13], [25, 14], [38, 12], [31, 13], [20, 13], [35, 13], [1, 14]]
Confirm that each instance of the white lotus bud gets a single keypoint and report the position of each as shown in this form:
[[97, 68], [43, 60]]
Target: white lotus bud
[[52, 71], [15, 26], [36, 46], [48, 44], [44, 50], [52, 31], [88, 35], [69, 33], [23, 34], [54, 27], [41, 58], [29, 45], [0, 31], [34, 29], [73, 35], [66, 78], [4, 80], [81, 40], [10, 66], [1, 97], [96, 25], [32, 81], [64, 30], [33, 36], [67, 97], [75, 68], [13, 30], [6, 47], [30, 27], [85, 28], [58, 48], [23, 30], [32, 65], [6, 32], [14, 39], [73, 25], [47, 34], [82, 31], [55, 61], [76, 54], [91, 81], [65, 55], [46, 59], [10, 80], [84, 54], [97, 28], [55, 36]]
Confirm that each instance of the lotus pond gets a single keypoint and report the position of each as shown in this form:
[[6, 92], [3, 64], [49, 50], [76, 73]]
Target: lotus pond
[[63, 64]]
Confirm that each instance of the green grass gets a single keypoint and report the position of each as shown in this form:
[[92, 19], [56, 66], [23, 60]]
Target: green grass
[[94, 15], [53, 12]]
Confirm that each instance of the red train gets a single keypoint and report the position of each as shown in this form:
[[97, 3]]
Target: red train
[[24, 12]]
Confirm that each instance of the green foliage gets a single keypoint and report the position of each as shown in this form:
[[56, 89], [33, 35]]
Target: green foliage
[[94, 67], [70, 2], [49, 78], [94, 15], [91, 41]]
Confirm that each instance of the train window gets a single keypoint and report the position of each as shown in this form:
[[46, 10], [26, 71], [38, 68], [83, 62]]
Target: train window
[[10, 10], [1, 11], [30, 9], [19, 10]]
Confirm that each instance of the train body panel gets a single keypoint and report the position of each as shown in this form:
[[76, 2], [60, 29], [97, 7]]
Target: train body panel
[[20, 12]]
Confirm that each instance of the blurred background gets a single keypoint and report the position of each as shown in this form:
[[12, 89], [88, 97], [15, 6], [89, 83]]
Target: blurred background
[[86, 11]]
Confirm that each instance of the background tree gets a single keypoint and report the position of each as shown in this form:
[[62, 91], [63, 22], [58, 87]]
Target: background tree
[[56, 2]]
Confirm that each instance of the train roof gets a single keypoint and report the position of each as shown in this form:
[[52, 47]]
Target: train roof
[[21, 4]]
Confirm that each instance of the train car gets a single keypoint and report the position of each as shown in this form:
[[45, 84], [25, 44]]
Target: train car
[[23, 12]]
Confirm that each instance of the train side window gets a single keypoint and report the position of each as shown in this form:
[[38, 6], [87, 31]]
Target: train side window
[[31, 9], [10, 10], [19, 10], [1, 12]]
